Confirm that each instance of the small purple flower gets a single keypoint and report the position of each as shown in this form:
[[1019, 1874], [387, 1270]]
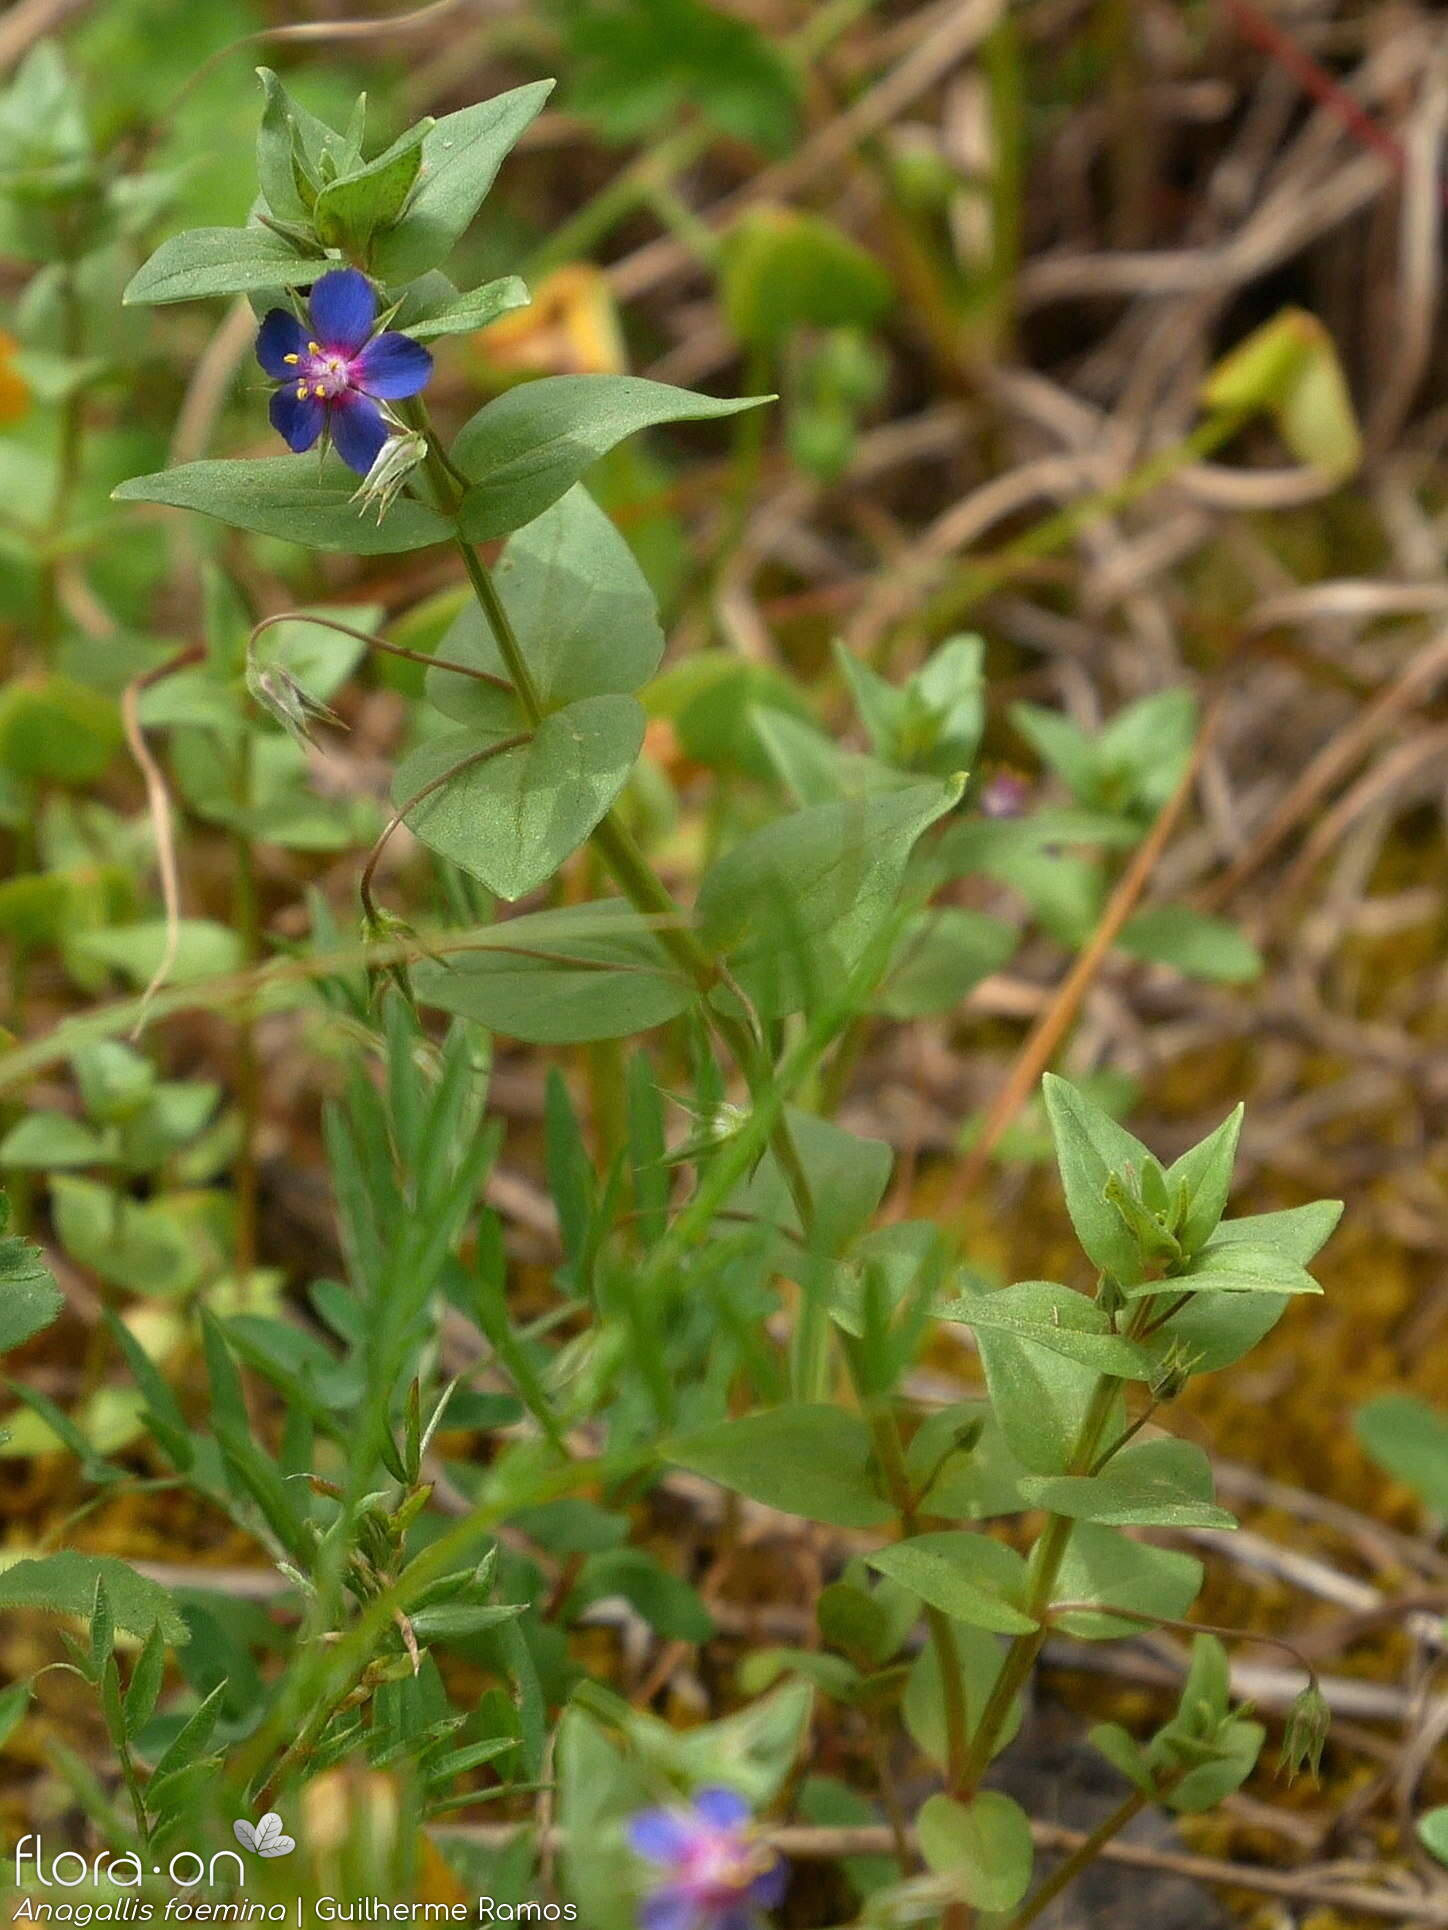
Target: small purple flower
[[1005, 796], [334, 374], [716, 1874]]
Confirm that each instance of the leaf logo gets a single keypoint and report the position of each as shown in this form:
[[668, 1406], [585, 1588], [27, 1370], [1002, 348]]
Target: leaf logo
[[268, 1838]]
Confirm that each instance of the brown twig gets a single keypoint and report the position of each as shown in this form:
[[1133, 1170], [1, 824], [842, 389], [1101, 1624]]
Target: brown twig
[[823, 1845]]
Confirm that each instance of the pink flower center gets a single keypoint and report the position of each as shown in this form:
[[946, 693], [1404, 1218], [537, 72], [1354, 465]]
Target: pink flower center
[[324, 373], [719, 1864]]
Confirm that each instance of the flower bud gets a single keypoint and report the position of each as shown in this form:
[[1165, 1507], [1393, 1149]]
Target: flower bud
[[395, 462], [1308, 1722]]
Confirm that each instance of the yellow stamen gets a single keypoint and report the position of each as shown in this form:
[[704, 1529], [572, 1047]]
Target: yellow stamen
[[301, 391], [314, 348], [293, 359]]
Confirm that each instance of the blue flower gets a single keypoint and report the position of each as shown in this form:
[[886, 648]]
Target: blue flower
[[715, 1872], [333, 375]]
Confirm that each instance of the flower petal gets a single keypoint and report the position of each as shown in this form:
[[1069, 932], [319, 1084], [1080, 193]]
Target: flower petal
[[673, 1908], [343, 307], [358, 431], [662, 1835], [279, 336], [722, 1808], [769, 1886], [297, 418], [392, 366]]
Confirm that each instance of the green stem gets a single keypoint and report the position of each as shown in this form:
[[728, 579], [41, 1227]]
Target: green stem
[[68, 456], [1046, 1559], [979, 579], [611, 838], [890, 1457], [1081, 1858]]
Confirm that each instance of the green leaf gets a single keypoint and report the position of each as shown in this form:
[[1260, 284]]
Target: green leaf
[[461, 155], [1060, 744], [190, 1743], [1232, 1266], [1215, 1329], [1410, 1440], [1297, 1233], [581, 608], [464, 314], [14, 1702], [940, 726], [220, 261], [850, 1618], [753, 1750], [291, 497], [784, 269], [102, 1628], [985, 1844], [1040, 1397], [560, 977], [54, 729], [669, 1604], [974, 1482], [145, 1684], [943, 955], [1433, 1832], [599, 1783], [29, 1297], [1108, 1569], [529, 445], [1152, 1483], [834, 866], [806, 1460], [44, 1139], [636, 63], [1202, 1179], [511, 819], [995, 846], [964, 1574], [283, 807], [1290, 368], [1125, 1755], [290, 138], [458, 1621], [714, 700], [1057, 1318], [847, 1177], [1090, 1147], [203, 949], [1236, 1747], [1202, 947], [813, 768], [1142, 752], [65, 1584], [981, 1656], [350, 210], [146, 1246]]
